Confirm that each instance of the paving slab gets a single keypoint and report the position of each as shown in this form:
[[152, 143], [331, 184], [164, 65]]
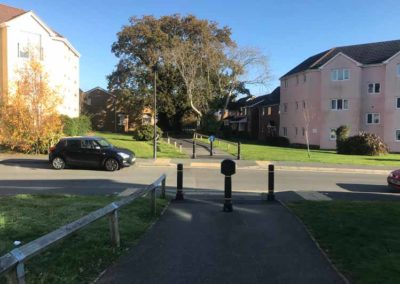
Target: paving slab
[[195, 242]]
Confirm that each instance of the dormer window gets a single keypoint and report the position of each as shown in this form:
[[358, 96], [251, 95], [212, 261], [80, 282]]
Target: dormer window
[[340, 74]]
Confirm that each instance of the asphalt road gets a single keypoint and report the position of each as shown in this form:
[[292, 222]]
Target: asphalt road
[[33, 176]]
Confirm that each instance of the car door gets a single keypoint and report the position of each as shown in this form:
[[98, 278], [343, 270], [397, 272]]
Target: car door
[[91, 152], [73, 152]]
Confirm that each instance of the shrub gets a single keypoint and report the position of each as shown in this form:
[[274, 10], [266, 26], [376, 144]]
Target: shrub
[[277, 141], [342, 133], [210, 124], [146, 133], [363, 144], [77, 126]]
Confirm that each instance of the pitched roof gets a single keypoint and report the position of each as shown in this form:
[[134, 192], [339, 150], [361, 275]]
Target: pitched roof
[[369, 53], [273, 98], [7, 13]]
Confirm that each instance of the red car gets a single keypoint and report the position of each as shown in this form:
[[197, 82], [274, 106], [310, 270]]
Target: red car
[[394, 179]]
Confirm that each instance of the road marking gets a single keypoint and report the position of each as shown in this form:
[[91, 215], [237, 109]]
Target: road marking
[[205, 165], [313, 196]]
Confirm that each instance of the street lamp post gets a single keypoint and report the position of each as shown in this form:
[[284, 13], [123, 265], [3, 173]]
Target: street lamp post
[[155, 113]]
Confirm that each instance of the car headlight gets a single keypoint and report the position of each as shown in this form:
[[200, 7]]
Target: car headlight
[[123, 155]]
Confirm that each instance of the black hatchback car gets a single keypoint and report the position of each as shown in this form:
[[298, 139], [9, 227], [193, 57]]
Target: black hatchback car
[[89, 152]]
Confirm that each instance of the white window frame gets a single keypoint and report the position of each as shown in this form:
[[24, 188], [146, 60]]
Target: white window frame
[[345, 104], [397, 103], [285, 107], [285, 133], [269, 111], [397, 137], [373, 88], [373, 114], [297, 105], [304, 78], [303, 131], [342, 74], [332, 134], [304, 104], [285, 83], [296, 131]]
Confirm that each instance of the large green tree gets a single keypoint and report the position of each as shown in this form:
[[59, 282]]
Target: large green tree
[[190, 55]]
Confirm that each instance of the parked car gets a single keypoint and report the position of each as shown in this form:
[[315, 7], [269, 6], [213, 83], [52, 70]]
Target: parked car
[[394, 179], [89, 152]]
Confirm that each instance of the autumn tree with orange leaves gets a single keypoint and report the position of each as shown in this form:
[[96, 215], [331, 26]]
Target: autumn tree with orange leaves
[[29, 121]]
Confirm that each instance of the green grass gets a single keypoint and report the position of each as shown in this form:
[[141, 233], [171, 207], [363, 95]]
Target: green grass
[[80, 258], [142, 149], [361, 238], [251, 151]]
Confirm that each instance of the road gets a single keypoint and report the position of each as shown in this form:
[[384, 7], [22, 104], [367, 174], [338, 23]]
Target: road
[[32, 176]]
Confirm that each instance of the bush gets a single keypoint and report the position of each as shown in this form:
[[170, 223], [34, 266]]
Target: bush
[[342, 133], [277, 141], [210, 124], [363, 144], [77, 126], [146, 133]]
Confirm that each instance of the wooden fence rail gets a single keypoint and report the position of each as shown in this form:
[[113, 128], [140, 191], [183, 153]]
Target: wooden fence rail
[[12, 263]]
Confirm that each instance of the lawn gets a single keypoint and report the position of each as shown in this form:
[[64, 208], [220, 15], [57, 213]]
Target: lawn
[[83, 256], [142, 149], [251, 151], [361, 238]]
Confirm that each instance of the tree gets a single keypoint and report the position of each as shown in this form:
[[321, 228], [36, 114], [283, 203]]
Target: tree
[[308, 115], [148, 41], [244, 67], [29, 120]]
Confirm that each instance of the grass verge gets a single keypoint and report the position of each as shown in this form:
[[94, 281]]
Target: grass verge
[[80, 258], [361, 238], [142, 149], [250, 151]]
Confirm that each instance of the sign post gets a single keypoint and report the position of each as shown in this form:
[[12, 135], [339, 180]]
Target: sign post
[[228, 168], [211, 139]]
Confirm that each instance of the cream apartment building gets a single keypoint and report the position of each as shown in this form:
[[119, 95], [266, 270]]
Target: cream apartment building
[[357, 86], [23, 33]]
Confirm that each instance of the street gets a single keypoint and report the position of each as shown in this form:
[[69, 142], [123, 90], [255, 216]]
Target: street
[[36, 176]]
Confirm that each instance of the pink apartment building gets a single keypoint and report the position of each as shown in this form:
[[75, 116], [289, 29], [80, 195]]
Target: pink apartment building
[[357, 86]]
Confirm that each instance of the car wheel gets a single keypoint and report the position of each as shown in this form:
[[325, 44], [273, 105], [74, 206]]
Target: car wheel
[[111, 165], [58, 163]]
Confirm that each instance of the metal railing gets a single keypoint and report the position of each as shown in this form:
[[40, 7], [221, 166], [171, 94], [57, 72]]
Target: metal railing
[[12, 263], [218, 141]]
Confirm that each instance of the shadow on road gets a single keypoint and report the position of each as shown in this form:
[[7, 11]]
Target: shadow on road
[[65, 186], [364, 187], [27, 163]]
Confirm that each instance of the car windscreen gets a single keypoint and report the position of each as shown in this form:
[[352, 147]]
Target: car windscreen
[[104, 143]]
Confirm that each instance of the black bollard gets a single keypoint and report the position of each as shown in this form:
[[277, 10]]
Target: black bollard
[[179, 183], [194, 149], [271, 173], [228, 168], [211, 147], [238, 150]]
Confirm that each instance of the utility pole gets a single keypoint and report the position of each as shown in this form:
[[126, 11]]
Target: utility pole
[[155, 113]]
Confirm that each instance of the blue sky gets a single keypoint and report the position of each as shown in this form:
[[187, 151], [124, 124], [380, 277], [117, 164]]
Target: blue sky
[[287, 31]]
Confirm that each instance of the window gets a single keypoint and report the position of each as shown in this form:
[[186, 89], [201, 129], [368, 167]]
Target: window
[[304, 78], [304, 104], [284, 131], [269, 111], [295, 130], [285, 82], [304, 131], [339, 104], [340, 74], [297, 79], [398, 103], [297, 105], [121, 118], [284, 107], [29, 42], [263, 111], [398, 135], [243, 111], [398, 70], [374, 88], [373, 118], [332, 135]]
